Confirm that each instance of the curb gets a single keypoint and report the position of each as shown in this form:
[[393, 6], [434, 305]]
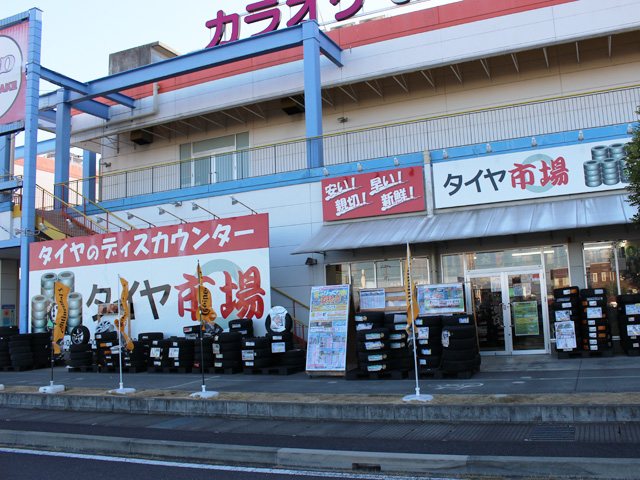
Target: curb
[[500, 413], [323, 460]]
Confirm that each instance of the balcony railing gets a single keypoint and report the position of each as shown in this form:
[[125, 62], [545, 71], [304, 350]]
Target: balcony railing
[[556, 115]]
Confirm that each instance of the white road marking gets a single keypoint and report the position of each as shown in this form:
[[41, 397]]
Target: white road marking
[[225, 468]]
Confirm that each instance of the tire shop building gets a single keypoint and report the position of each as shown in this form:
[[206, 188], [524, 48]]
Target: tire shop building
[[487, 135]]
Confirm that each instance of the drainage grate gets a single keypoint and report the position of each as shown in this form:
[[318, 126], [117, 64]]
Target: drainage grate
[[551, 433]]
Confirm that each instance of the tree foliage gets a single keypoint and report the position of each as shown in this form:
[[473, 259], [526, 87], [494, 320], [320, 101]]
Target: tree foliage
[[633, 170]]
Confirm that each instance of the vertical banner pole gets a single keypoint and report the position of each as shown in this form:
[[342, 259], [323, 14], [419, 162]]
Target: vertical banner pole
[[411, 316], [203, 298], [121, 318], [120, 336]]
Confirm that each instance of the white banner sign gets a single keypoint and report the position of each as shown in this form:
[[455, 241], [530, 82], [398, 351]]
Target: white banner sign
[[581, 168], [163, 288]]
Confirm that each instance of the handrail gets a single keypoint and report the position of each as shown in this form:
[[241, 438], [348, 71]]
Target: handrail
[[86, 200], [369, 128], [89, 224], [289, 297], [299, 327]]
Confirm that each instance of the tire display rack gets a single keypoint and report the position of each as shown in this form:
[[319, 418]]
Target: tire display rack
[[629, 323]]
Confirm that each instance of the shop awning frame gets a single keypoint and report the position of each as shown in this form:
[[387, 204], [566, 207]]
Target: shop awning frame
[[567, 214]]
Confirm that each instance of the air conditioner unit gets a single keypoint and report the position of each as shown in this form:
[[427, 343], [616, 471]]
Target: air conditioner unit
[[290, 107], [140, 137]]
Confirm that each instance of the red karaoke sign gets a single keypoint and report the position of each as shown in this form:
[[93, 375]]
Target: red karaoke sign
[[387, 192], [13, 58]]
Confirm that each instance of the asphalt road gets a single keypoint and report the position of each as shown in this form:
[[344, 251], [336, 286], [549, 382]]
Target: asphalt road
[[29, 465]]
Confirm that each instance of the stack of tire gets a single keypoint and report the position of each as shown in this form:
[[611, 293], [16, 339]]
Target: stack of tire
[[460, 352], [202, 352], [137, 359], [428, 343], [80, 355], [596, 332], [226, 349], [41, 348], [20, 352], [370, 327], [5, 356], [107, 350], [629, 323], [244, 326], [400, 355], [179, 353], [147, 338], [256, 353], [567, 307]]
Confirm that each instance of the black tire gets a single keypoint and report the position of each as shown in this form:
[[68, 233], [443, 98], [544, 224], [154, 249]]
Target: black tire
[[21, 358], [566, 292], [398, 336], [148, 337], [255, 342], [106, 337], [259, 363], [462, 344], [86, 356], [372, 357], [593, 292], [227, 337], [431, 321], [429, 351], [240, 324], [257, 352], [16, 349], [457, 319], [80, 334], [225, 347], [227, 364], [365, 316], [235, 355], [280, 337], [458, 355], [460, 331], [374, 345], [373, 334], [429, 362]]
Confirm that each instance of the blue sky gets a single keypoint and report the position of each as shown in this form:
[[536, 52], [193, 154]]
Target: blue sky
[[79, 35]]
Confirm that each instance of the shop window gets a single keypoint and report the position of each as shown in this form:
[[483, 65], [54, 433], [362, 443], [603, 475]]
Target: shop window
[[629, 266], [377, 274], [600, 267], [214, 160], [452, 268], [556, 262]]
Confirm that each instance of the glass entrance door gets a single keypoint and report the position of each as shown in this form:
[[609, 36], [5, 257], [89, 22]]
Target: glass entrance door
[[510, 311]]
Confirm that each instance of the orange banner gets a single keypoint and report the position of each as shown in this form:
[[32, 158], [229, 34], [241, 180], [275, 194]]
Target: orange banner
[[122, 322], [61, 296]]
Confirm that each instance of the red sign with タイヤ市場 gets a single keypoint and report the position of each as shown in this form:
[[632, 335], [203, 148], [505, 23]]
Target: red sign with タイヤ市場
[[387, 192]]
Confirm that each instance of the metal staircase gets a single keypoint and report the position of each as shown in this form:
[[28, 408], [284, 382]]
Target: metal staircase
[[57, 219]]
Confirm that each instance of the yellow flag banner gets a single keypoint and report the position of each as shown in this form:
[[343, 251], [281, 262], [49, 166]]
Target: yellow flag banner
[[205, 307], [413, 309], [61, 296], [121, 323]]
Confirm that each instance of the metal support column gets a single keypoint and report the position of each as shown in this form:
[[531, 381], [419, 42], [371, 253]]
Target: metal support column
[[5, 154], [312, 94], [63, 145], [89, 175], [30, 156]]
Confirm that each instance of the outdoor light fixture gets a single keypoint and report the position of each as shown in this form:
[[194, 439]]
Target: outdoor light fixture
[[234, 200], [177, 203], [534, 142], [100, 219], [359, 167], [162, 211], [106, 164], [396, 162], [488, 148], [445, 154], [195, 206], [310, 261], [325, 171], [580, 135], [131, 215], [629, 129]]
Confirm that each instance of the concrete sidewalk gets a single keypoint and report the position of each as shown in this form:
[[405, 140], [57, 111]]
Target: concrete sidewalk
[[529, 388]]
